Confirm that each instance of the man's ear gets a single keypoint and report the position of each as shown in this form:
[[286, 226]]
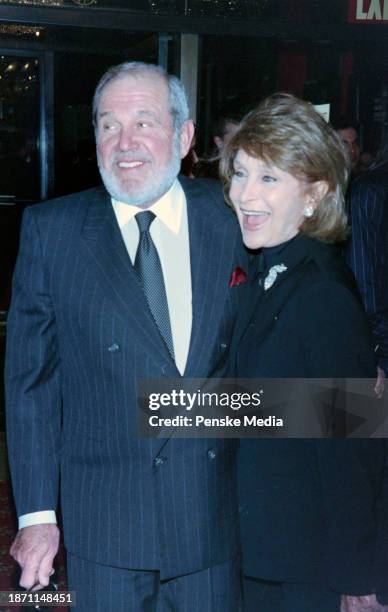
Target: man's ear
[[187, 134]]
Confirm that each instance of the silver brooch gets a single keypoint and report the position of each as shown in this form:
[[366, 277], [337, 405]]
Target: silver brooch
[[272, 274]]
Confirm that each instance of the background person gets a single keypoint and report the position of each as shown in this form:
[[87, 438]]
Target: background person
[[112, 284], [310, 518], [367, 251], [222, 130], [348, 130]]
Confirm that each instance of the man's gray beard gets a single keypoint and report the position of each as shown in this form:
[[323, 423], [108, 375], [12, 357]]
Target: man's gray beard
[[156, 186]]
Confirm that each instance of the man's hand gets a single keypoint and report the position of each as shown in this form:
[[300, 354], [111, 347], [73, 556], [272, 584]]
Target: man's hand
[[34, 548], [379, 386], [363, 603]]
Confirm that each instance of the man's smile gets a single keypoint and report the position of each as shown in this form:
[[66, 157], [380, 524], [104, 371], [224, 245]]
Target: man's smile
[[131, 164]]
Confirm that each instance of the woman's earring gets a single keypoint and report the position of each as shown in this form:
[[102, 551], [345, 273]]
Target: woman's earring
[[308, 211]]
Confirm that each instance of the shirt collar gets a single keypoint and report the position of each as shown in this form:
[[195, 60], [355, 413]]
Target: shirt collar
[[169, 208]]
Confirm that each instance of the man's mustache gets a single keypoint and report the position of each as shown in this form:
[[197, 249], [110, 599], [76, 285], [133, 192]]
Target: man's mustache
[[129, 157]]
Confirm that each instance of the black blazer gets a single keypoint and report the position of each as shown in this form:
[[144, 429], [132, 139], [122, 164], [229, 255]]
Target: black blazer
[[309, 507], [80, 335]]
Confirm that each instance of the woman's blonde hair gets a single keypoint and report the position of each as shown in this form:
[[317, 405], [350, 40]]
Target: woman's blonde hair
[[290, 134]]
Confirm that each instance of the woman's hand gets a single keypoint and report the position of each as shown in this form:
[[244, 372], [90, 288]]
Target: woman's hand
[[379, 386], [363, 603]]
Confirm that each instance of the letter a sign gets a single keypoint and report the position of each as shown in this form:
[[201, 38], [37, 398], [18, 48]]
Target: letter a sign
[[368, 11]]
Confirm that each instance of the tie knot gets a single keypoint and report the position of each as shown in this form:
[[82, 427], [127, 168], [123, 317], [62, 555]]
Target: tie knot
[[144, 220]]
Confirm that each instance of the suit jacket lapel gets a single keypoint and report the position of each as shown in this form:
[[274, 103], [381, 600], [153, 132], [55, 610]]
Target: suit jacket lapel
[[106, 255], [212, 258]]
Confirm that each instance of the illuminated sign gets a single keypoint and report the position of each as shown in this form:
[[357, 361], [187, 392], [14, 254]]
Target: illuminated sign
[[368, 11]]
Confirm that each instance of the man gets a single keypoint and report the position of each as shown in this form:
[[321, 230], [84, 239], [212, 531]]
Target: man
[[367, 252], [148, 524], [222, 131], [348, 132]]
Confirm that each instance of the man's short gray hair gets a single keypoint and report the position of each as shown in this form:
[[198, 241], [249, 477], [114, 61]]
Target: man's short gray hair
[[177, 96]]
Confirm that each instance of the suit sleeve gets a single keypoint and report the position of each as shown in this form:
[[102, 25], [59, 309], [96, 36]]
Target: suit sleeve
[[32, 377], [367, 255]]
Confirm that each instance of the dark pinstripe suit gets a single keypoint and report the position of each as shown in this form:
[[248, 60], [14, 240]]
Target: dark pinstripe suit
[[79, 336], [367, 252]]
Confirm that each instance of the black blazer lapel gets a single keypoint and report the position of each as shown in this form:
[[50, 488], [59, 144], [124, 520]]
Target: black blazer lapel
[[250, 299], [106, 255], [264, 306]]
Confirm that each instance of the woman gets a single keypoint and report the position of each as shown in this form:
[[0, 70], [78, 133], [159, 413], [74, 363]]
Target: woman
[[310, 508]]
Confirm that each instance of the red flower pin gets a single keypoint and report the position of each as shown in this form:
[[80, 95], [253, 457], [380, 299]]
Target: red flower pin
[[238, 277]]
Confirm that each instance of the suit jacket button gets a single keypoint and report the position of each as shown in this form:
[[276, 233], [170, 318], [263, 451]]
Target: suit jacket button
[[211, 453], [159, 461], [113, 347]]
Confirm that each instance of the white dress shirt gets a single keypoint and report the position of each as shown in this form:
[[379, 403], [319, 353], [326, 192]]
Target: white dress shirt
[[170, 234]]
